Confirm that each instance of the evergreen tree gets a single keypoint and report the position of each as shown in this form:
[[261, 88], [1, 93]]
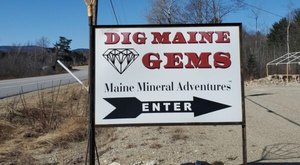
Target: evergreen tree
[[63, 49], [251, 66], [63, 46], [277, 35]]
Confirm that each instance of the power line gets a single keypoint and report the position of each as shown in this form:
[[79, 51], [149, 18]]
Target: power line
[[113, 8], [262, 9]]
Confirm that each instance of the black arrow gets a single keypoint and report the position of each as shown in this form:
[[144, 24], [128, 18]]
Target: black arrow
[[131, 107], [202, 106]]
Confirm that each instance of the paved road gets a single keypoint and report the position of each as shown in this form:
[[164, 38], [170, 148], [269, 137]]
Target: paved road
[[16, 86]]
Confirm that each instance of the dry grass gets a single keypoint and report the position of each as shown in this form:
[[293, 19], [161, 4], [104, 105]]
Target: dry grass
[[5, 131], [69, 131], [41, 122], [47, 109], [16, 157]]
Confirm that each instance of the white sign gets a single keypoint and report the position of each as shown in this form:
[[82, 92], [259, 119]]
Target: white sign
[[168, 74]]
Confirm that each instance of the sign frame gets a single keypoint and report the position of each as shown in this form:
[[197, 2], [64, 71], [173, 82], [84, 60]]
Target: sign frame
[[239, 25], [242, 123]]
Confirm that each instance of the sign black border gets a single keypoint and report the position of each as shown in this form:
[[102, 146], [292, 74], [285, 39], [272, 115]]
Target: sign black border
[[243, 123]]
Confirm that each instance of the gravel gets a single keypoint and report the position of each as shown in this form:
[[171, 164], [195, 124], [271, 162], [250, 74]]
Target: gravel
[[273, 134]]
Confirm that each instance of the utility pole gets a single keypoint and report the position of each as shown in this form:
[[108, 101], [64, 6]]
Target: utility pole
[[92, 6], [95, 12]]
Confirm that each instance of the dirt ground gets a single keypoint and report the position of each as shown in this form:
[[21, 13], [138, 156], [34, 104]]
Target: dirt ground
[[273, 137]]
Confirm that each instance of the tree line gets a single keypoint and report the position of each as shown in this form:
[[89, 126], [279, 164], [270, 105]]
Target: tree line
[[17, 61], [257, 48]]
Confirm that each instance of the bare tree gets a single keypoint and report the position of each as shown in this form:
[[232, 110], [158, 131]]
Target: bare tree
[[196, 12], [43, 42], [165, 12], [192, 11], [210, 11]]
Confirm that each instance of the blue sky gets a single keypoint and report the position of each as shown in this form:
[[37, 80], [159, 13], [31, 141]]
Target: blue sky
[[26, 21]]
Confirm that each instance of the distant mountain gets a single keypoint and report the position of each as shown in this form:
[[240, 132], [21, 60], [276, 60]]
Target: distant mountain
[[6, 49], [81, 50]]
